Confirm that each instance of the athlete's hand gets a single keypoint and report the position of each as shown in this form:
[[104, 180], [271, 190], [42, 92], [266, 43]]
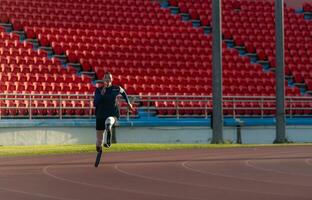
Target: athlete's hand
[[131, 108]]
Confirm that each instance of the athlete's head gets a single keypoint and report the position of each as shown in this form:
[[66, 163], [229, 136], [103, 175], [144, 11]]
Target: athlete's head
[[108, 79]]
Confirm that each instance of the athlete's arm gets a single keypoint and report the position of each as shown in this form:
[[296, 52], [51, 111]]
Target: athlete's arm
[[125, 96], [97, 97]]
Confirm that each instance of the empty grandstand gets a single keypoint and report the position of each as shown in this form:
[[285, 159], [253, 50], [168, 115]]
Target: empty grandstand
[[54, 53], [150, 50]]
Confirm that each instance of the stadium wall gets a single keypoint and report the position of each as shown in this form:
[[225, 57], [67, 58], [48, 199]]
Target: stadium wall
[[296, 3], [85, 134], [292, 3]]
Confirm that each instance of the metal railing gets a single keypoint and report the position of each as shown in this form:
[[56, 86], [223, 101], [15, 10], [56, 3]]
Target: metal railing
[[73, 105]]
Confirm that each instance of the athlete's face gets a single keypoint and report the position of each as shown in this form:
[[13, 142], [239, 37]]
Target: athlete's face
[[108, 79]]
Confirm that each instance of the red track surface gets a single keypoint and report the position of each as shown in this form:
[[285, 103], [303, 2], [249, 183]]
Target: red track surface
[[277, 173]]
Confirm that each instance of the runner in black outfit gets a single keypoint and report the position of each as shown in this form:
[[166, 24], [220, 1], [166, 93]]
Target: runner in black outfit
[[106, 110]]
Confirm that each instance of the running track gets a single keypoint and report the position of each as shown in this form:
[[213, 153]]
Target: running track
[[271, 173]]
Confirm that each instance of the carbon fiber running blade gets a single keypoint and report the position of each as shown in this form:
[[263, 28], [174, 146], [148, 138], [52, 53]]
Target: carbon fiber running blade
[[98, 159]]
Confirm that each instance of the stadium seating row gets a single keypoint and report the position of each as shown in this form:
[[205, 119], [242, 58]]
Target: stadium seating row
[[23, 69]]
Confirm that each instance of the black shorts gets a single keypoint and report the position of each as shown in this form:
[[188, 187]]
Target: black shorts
[[100, 123]]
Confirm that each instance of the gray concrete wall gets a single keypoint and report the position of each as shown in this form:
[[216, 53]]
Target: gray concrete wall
[[46, 135], [296, 3], [86, 135], [291, 3]]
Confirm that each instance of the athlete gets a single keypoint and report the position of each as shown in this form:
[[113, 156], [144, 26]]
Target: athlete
[[107, 110]]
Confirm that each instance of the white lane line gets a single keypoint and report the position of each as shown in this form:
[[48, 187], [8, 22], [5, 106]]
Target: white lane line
[[46, 172], [249, 164], [21, 174], [195, 184], [184, 164], [35, 194], [308, 161]]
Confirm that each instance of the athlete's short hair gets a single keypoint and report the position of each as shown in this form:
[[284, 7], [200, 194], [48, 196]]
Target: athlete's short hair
[[107, 78], [107, 74]]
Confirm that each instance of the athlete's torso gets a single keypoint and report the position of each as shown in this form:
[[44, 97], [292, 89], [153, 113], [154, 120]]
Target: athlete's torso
[[107, 106]]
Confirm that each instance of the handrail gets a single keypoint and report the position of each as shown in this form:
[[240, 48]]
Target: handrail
[[66, 105], [160, 96]]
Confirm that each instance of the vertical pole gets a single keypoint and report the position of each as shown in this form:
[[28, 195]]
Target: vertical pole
[[30, 107], [280, 76], [217, 134], [114, 137]]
